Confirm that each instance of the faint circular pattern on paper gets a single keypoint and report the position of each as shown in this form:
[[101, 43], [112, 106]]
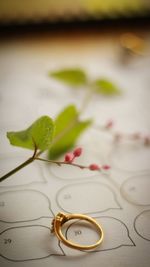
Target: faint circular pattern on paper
[[142, 225], [130, 157], [87, 198], [136, 190]]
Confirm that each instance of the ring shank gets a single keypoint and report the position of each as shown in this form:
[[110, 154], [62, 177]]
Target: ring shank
[[65, 218]]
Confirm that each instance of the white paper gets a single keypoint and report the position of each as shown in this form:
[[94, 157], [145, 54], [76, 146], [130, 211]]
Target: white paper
[[119, 201]]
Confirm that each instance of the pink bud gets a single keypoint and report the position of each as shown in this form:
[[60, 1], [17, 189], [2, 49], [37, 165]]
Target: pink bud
[[77, 152], [109, 124], [94, 167], [106, 167], [147, 140], [69, 157]]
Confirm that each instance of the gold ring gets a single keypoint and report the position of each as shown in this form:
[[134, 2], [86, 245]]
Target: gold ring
[[61, 218]]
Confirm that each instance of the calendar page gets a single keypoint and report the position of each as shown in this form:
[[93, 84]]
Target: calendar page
[[119, 200]]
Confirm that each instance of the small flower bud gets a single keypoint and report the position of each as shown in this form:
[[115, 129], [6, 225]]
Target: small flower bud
[[94, 167], [147, 141], [77, 152], [105, 167], [109, 124], [69, 157]]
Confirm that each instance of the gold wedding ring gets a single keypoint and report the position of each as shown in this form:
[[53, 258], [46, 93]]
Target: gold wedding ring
[[61, 218]]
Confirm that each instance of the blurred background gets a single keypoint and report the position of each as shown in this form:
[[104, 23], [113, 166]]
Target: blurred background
[[48, 10], [108, 38]]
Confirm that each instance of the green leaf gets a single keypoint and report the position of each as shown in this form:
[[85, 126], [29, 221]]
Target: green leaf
[[73, 77], [105, 87], [39, 134], [68, 129]]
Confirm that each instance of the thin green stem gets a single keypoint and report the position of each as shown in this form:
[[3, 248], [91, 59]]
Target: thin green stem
[[27, 162], [22, 165]]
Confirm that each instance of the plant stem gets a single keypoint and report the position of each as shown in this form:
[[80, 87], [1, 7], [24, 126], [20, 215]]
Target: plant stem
[[59, 163], [87, 98], [27, 162]]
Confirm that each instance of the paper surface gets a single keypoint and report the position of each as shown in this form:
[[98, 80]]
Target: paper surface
[[120, 201]]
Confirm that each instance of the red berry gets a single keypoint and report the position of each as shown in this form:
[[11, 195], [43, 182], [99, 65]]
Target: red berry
[[77, 152], [94, 167], [69, 157], [106, 167]]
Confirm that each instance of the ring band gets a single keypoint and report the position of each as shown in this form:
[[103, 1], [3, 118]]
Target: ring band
[[61, 218]]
